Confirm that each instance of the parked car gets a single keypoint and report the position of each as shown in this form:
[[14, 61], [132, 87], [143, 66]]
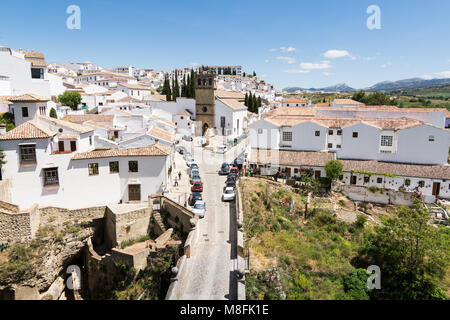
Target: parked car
[[195, 178], [224, 169], [180, 149], [194, 197], [233, 176], [188, 138], [199, 208], [239, 162], [234, 170], [222, 149], [230, 184], [193, 166], [197, 186], [228, 194], [193, 172], [190, 162]]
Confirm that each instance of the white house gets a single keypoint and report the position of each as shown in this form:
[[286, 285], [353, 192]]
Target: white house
[[28, 107], [55, 163], [295, 102]]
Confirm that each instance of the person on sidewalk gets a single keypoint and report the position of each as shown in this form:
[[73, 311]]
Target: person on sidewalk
[[179, 175], [176, 181]]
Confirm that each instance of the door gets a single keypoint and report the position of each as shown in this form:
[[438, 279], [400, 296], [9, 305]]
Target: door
[[61, 146], [288, 172], [317, 174], [73, 146], [436, 188], [134, 192], [353, 180]]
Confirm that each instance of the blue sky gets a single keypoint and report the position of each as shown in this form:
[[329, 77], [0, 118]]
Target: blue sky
[[283, 41]]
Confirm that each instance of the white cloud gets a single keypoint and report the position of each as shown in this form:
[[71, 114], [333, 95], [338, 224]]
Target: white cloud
[[287, 49], [325, 73], [289, 60], [427, 77], [273, 50], [444, 74], [315, 66], [370, 58], [334, 54], [266, 61], [385, 65], [296, 71]]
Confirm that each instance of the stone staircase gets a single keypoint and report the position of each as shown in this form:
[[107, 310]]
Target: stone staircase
[[159, 222], [438, 212]]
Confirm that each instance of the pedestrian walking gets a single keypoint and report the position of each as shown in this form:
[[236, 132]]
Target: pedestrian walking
[[179, 175], [176, 181]]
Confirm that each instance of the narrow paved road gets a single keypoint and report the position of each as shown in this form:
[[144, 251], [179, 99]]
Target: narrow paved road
[[211, 268]]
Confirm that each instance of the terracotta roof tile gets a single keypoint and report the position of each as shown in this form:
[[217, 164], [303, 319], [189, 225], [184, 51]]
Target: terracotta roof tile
[[72, 126], [398, 169], [151, 151], [161, 134], [29, 97], [290, 158], [28, 130], [81, 118]]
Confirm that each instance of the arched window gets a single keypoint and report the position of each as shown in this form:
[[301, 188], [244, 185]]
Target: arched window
[[210, 81], [204, 82], [199, 82]]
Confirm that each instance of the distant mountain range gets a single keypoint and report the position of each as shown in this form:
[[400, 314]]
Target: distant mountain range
[[406, 84]]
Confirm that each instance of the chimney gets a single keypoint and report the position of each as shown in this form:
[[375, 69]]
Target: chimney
[[2, 128]]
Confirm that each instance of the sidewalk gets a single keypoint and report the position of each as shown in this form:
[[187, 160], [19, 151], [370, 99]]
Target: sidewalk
[[181, 193]]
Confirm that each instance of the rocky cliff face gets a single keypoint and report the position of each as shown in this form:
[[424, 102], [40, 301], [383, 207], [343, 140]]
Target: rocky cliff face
[[43, 262]]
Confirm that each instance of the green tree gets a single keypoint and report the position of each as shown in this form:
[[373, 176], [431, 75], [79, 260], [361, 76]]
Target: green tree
[[359, 96], [192, 86], [258, 103], [355, 285], [53, 113], [246, 99], [333, 168], [412, 254], [70, 99]]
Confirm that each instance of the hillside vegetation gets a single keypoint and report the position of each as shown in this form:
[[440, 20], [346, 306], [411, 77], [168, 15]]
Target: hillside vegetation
[[318, 257]]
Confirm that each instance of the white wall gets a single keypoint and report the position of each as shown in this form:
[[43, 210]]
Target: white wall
[[19, 72], [76, 188], [269, 138]]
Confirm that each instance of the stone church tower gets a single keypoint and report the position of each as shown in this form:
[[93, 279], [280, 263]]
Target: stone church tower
[[205, 85]]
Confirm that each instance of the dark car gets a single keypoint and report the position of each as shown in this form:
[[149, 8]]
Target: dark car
[[197, 187], [194, 197], [230, 184], [239, 162], [194, 178], [224, 169], [233, 176]]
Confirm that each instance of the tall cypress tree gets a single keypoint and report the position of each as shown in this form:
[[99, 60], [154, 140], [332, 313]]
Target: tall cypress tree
[[192, 86], [258, 104], [246, 100], [183, 87], [166, 89]]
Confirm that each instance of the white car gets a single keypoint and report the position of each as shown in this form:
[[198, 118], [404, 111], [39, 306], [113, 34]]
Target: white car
[[222, 149], [199, 208], [228, 194], [190, 162]]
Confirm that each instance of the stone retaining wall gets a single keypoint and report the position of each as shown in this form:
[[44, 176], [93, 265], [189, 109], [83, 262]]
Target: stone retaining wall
[[19, 226], [381, 196]]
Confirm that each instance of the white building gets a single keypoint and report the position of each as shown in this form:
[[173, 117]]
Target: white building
[[55, 163], [401, 142]]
